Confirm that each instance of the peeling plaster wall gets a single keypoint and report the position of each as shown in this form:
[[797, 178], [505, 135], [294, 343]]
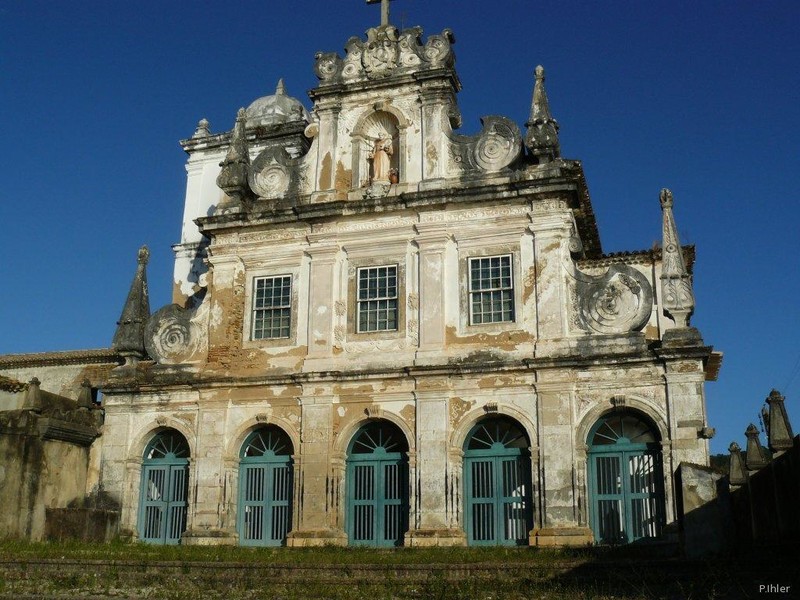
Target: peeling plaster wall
[[35, 475]]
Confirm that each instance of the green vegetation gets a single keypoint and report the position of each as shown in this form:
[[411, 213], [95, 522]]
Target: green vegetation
[[132, 570]]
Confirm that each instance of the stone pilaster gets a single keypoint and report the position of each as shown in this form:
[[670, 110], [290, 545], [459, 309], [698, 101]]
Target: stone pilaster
[[321, 300], [434, 526], [558, 523], [327, 142], [316, 507], [207, 525], [225, 336], [435, 104], [432, 241], [551, 225]]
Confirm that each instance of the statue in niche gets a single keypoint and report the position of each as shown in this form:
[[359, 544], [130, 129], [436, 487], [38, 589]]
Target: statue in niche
[[381, 156]]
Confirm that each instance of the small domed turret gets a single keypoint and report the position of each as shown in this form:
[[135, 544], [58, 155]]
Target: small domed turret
[[277, 108]]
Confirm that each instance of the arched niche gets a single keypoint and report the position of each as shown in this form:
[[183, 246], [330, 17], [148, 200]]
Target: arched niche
[[378, 133]]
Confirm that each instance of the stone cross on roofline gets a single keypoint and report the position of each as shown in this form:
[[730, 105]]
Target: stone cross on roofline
[[384, 10]]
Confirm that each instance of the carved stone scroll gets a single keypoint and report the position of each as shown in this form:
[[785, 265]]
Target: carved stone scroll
[[496, 147], [274, 174], [617, 302], [386, 51], [173, 335]]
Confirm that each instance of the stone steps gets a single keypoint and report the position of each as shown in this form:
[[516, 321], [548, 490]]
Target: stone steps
[[660, 578]]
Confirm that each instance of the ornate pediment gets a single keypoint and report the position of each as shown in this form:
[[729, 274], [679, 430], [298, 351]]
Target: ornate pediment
[[387, 51]]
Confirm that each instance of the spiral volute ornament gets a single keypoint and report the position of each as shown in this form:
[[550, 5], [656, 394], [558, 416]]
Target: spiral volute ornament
[[617, 302], [170, 335], [498, 145]]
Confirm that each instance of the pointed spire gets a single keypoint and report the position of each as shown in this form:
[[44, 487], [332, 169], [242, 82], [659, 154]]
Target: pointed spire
[[129, 337], [542, 129], [737, 474], [232, 178], [755, 457], [677, 297], [779, 429], [280, 89], [33, 396], [85, 397]]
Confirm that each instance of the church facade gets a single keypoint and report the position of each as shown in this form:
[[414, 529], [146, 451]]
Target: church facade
[[386, 333]]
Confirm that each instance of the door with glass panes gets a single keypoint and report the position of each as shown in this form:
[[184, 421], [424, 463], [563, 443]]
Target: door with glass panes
[[497, 484], [377, 486], [165, 486], [626, 483]]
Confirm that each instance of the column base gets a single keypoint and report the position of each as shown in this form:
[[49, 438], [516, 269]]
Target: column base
[[209, 537], [315, 538], [426, 538], [556, 537]]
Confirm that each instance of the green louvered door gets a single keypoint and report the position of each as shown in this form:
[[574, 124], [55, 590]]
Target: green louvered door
[[165, 487], [625, 480], [497, 507], [265, 488], [377, 486]]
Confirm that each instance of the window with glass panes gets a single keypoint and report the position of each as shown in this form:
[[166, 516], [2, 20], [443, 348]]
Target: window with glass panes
[[377, 298], [491, 290], [272, 307]]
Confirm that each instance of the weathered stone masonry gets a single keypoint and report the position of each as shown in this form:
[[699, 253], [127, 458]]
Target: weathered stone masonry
[[561, 346]]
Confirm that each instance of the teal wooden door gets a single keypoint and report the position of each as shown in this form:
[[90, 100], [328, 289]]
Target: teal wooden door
[[377, 486], [165, 486], [497, 484], [625, 480], [265, 488]]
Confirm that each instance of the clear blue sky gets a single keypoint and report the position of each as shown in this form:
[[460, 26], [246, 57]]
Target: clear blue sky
[[700, 97]]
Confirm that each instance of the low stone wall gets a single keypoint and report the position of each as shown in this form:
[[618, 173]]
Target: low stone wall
[[704, 514], [84, 524], [44, 464], [766, 508]]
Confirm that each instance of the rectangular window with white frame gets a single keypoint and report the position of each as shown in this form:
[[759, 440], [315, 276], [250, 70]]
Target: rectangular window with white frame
[[491, 290], [272, 307], [377, 298]]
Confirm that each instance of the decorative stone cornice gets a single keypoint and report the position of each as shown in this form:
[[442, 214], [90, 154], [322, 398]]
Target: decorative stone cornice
[[636, 257], [71, 357], [52, 428]]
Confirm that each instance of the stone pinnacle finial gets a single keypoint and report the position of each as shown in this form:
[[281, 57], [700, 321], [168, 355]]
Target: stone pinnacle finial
[[776, 422], [85, 397], [129, 337], [202, 129], [676, 284], [280, 89], [541, 138], [33, 396], [232, 179], [737, 474], [755, 457]]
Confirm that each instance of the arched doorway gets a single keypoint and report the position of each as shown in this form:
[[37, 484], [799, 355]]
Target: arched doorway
[[626, 482], [497, 483], [165, 486], [377, 485], [265, 488]]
